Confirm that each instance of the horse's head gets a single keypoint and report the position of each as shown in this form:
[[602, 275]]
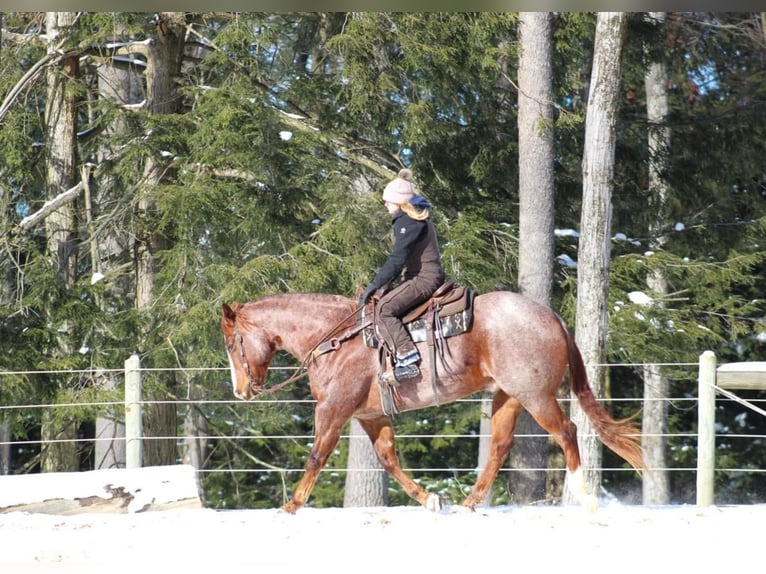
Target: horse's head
[[249, 350]]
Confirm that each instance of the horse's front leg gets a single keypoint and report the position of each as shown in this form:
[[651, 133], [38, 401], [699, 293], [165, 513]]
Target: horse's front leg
[[381, 433], [328, 429]]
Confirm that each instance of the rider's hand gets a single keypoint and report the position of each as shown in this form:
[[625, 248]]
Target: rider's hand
[[367, 294]]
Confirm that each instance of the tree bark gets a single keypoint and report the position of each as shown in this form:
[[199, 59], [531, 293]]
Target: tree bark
[[120, 86], [536, 221], [366, 481], [656, 484], [485, 434], [5, 446], [162, 69], [595, 230], [60, 224]]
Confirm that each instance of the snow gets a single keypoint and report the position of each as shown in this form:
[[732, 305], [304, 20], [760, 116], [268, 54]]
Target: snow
[[566, 260], [640, 298], [538, 539], [148, 485]]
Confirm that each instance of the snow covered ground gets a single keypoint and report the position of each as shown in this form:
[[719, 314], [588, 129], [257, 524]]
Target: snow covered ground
[[531, 539], [534, 540]]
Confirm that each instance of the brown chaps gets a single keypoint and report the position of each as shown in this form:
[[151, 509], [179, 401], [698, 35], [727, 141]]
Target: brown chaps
[[395, 304]]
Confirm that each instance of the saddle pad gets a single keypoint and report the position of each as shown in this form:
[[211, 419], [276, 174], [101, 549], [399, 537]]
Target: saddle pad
[[454, 318]]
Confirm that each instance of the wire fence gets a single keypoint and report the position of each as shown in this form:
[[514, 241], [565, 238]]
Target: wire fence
[[686, 399]]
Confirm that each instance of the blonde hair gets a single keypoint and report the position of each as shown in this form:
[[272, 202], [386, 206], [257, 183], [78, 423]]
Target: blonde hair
[[414, 212]]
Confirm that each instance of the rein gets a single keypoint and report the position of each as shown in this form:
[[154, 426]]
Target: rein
[[327, 344]]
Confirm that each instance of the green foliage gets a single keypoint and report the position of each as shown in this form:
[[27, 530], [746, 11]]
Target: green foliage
[[257, 198], [701, 309], [480, 253]]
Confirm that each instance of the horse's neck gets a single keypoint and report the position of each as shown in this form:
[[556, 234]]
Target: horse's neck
[[300, 322]]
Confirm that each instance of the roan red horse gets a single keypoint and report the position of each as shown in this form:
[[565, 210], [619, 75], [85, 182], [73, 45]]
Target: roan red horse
[[516, 349]]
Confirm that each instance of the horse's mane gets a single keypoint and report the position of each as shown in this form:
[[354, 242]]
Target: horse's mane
[[325, 305], [324, 299]]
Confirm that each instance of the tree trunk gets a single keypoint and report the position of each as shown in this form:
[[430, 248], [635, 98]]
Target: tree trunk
[[162, 70], [120, 86], [59, 447], [60, 225], [6, 296], [536, 217], [595, 230], [366, 484], [5, 447], [366, 481], [195, 435], [109, 449], [485, 433], [656, 484]]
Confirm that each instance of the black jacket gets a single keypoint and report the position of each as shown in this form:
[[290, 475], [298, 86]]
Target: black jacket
[[415, 251]]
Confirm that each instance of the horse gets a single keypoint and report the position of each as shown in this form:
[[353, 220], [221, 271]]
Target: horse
[[517, 349]]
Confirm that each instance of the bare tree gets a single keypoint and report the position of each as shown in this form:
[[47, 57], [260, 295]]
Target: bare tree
[[536, 222], [60, 224], [5, 294], [163, 64], [119, 85], [595, 229], [656, 484], [366, 481]]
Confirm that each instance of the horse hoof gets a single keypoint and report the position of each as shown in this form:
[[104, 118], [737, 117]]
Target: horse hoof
[[589, 502], [290, 507], [433, 503]]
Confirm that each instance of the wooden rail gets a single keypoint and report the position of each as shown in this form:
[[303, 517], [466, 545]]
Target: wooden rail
[[749, 376]]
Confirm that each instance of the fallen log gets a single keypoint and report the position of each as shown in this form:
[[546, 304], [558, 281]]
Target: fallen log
[[101, 491]]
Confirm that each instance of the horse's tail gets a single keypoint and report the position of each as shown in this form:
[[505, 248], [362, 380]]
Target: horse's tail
[[621, 436]]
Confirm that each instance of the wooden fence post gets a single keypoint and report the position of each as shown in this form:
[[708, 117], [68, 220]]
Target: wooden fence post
[[133, 412], [706, 429]]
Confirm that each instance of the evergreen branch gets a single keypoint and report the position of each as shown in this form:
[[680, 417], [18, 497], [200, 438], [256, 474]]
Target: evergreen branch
[[27, 78], [301, 122], [345, 148], [539, 101], [324, 251], [52, 57], [16, 38], [298, 123]]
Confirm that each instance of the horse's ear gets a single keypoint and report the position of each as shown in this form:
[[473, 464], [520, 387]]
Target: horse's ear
[[229, 315]]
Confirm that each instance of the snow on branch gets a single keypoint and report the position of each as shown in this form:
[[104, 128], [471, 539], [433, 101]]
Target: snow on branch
[[50, 206]]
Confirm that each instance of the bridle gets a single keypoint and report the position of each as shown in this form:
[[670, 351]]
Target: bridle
[[330, 342], [252, 382], [255, 386]]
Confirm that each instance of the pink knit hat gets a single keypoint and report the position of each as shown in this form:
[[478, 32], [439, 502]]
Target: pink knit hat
[[399, 190]]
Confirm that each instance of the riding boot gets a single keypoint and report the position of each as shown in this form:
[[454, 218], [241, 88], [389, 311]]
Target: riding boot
[[405, 366]]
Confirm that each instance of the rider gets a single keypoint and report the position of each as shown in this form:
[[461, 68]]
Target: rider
[[415, 256]]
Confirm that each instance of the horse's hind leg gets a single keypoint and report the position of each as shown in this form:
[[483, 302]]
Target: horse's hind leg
[[505, 413], [381, 434], [547, 412]]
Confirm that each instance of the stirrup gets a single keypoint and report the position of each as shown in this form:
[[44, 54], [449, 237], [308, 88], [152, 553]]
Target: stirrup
[[413, 357], [406, 372]]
